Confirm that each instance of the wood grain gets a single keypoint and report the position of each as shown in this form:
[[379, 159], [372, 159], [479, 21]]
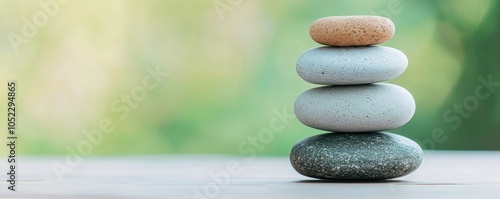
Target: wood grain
[[444, 174]]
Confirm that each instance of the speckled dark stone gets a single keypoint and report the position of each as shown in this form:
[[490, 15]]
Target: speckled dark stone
[[356, 156]]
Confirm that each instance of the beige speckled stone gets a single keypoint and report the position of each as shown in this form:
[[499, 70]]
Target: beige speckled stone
[[352, 30]]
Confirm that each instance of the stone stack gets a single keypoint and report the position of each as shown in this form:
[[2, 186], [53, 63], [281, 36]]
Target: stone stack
[[353, 106]]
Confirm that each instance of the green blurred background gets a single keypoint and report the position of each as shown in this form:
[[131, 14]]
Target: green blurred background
[[231, 66]]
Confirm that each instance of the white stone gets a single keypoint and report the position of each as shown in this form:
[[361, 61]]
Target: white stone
[[361, 108], [351, 65]]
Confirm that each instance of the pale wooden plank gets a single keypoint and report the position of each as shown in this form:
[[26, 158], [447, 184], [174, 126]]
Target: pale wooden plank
[[442, 175]]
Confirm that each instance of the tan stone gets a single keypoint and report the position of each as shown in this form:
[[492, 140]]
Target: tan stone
[[352, 30]]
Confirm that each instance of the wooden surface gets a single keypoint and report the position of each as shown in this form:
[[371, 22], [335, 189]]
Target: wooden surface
[[442, 175]]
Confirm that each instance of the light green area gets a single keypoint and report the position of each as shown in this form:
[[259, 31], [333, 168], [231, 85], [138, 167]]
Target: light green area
[[231, 67]]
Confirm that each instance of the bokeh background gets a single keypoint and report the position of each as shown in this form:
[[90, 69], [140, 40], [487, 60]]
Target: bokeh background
[[231, 66]]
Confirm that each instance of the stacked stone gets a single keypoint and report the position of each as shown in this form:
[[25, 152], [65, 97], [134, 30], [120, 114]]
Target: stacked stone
[[353, 105]]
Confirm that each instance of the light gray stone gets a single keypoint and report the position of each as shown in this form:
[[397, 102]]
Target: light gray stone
[[359, 156], [351, 65], [361, 108]]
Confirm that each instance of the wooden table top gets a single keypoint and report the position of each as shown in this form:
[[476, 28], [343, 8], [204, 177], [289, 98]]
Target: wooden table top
[[443, 174]]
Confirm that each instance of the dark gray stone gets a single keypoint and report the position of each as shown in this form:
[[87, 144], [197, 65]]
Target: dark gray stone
[[356, 156]]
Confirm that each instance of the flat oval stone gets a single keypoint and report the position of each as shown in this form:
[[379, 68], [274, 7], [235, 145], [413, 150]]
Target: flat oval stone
[[361, 108], [352, 30], [351, 65], [348, 156]]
